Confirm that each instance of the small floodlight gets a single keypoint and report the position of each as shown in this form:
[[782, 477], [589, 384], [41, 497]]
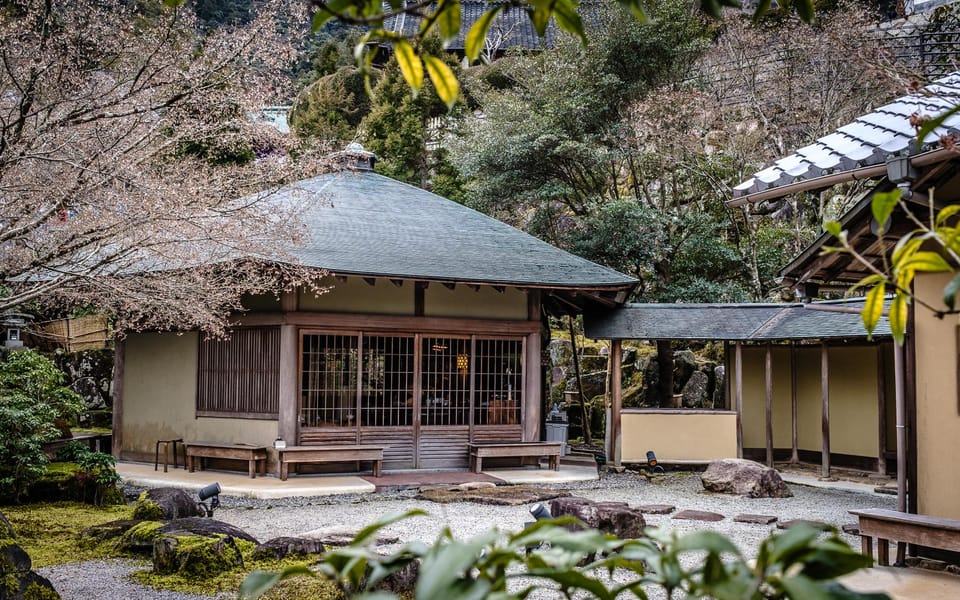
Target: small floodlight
[[210, 492], [653, 465], [540, 512]]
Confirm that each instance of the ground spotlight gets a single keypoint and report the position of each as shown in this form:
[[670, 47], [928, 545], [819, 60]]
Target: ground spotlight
[[540, 512], [212, 493]]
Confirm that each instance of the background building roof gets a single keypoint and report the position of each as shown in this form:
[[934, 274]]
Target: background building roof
[[839, 319], [859, 149]]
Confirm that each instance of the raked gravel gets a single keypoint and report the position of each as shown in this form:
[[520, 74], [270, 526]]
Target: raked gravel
[[266, 519]]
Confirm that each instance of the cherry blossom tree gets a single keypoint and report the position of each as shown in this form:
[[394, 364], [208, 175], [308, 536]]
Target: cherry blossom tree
[[125, 144]]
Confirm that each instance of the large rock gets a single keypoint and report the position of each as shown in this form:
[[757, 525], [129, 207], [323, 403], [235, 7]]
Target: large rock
[[200, 526], [609, 517], [561, 353], [744, 478], [17, 579], [695, 390], [684, 365], [651, 382], [282, 547], [164, 504], [193, 555], [720, 387]]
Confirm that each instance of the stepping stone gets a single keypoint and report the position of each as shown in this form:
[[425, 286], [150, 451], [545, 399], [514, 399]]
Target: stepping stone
[[698, 515], [851, 528], [811, 522], [657, 509], [755, 519]]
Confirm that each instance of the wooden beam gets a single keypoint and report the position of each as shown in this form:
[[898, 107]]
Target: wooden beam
[[119, 358], [290, 300], [825, 411], [397, 282], [738, 394], [449, 285], [768, 378], [794, 434], [499, 288], [881, 411], [386, 323], [371, 281], [419, 297]]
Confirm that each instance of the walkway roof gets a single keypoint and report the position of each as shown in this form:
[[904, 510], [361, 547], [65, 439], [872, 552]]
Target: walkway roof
[[830, 320]]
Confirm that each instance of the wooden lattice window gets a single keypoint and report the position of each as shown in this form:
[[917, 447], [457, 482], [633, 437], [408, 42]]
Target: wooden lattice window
[[499, 381], [445, 381], [240, 376], [329, 380], [387, 382]]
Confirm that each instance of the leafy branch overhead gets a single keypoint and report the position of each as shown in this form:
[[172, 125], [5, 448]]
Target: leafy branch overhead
[[443, 17], [932, 247]]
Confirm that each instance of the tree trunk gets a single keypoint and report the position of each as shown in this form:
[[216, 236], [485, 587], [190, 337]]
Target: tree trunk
[[587, 436], [665, 365]]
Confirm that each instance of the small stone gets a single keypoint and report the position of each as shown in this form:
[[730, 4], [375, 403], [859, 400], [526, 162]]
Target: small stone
[[953, 569], [698, 515], [657, 509], [851, 528], [755, 519], [811, 522], [476, 485]]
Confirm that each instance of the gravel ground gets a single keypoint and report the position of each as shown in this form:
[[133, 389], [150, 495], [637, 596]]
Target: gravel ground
[[266, 519]]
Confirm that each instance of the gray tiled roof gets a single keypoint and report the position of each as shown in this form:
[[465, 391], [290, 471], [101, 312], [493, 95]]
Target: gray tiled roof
[[866, 142], [512, 25], [733, 322], [361, 223]]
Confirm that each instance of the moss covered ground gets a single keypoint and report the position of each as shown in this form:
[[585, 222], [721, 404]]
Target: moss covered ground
[[50, 533]]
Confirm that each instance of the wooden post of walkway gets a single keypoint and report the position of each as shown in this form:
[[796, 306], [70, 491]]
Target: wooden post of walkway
[[825, 415], [769, 404], [794, 407], [881, 412], [119, 356], [738, 394], [616, 400]]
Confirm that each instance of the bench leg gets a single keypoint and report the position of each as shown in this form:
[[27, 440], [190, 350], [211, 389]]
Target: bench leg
[[477, 464], [156, 456], [883, 551], [284, 471], [190, 463], [253, 467], [377, 465], [866, 545], [263, 467], [555, 462]]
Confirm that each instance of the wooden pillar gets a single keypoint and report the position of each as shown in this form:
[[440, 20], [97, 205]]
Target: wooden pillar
[[769, 403], [531, 389], [881, 412], [288, 412], [289, 406], [738, 394], [614, 436], [825, 414], [119, 357], [794, 407]]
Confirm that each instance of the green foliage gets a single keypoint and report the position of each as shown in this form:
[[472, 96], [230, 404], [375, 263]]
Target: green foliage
[[404, 126], [443, 19], [331, 108], [32, 398], [558, 557], [97, 472]]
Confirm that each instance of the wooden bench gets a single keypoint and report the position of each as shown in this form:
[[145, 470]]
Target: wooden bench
[[248, 452], [297, 455], [479, 451], [892, 525]]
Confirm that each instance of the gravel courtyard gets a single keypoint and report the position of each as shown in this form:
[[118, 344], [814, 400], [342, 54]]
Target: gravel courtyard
[[266, 519]]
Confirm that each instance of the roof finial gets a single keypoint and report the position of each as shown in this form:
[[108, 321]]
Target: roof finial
[[354, 157]]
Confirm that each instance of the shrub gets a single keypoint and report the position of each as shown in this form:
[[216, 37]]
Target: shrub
[[32, 398], [801, 563]]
